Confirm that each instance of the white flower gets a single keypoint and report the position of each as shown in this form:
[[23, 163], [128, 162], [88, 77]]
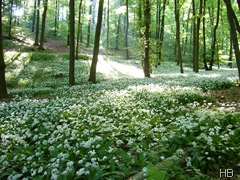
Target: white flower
[[194, 144], [40, 169], [80, 161], [3, 157], [24, 169], [5, 163], [104, 158], [144, 170], [80, 172], [70, 163], [189, 164]]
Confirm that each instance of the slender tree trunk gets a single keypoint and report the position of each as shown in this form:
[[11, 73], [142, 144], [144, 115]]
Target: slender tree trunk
[[83, 18], [56, 18], [213, 46], [127, 27], [157, 37], [107, 31], [36, 43], [196, 36], [92, 77], [118, 30], [233, 26], [147, 21], [3, 85], [179, 56], [187, 31], [230, 54], [68, 35], [89, 25], [44, 17], [72, 43], [79, 28], [161, 36], [141, 30], [204, 36], [10, 20], [34, 15]]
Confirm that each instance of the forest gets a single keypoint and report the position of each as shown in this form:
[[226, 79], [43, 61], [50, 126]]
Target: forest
[[120, 89]]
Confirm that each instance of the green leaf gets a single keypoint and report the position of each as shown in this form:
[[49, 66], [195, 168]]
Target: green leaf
[[153, 173], [124, 169]]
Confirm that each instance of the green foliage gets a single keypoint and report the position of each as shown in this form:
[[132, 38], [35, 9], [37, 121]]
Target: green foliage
[[42, 57], [153, 173]]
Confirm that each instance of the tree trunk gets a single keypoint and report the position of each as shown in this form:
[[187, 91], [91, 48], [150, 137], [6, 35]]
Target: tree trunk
[[141, 29], [213, 49], [187, 31], [196, 36], [157, 35], [72, 43], [118, 30], [92, 77], [56, 18], [34, 15], [233, 33], [44, 17], [79, 28], [162, 31], [36, 43], [230, 59], [147, 22], [204, 36], [3, 86], [10, 20], [107, 31], [89, 25], [179, 56], [127, 27]]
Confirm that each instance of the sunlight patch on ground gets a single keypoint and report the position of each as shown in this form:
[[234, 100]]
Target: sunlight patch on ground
[[16, 59], [117, 70]]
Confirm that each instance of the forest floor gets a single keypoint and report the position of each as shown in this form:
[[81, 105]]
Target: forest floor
[[173, 125], [229, 96]]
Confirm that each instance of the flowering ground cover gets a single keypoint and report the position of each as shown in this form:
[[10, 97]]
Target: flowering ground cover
[[165, 127]]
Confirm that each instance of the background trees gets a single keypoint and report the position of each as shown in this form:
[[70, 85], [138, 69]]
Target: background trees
[[198, 32]]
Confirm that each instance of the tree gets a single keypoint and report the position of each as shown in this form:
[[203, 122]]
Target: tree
[[233, 23], [127, 27], [196, 29], [44, 17], [79, 27], [3, 86], [179, 56], [214, 38], [36, 43], [34, 15], [10, 20], [89, 24], [92, 77], [72, 43], [107, 31], [147, 22], [204, 36], [160, 29], [56, 16]]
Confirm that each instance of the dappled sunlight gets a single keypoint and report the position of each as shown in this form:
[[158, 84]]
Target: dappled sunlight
[[16, 60], [117, 70]]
